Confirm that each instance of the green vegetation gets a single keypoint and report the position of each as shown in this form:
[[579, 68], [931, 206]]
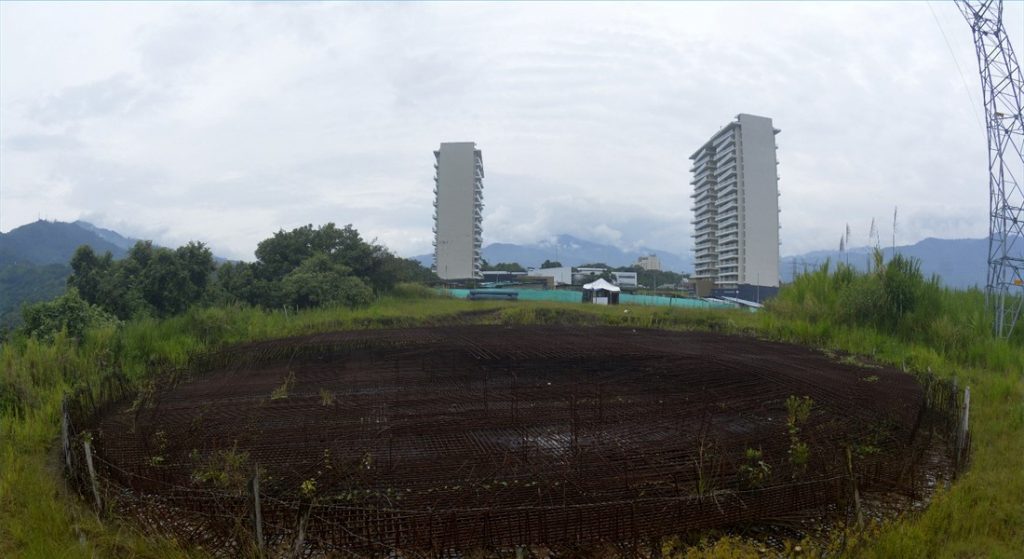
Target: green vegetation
[[68, 313], [889, 315], [302, 268], [23, 282], [754, 472], [503, 266], [797, 412]]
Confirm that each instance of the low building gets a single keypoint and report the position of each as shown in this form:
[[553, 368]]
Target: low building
[[495, 276], [625, 279], [583, 275], [561, 276]]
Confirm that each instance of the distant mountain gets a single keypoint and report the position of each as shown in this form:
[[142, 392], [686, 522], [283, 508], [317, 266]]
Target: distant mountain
[[34, 260], [112, 237], [959, 263], [573, 251], [54, 242]]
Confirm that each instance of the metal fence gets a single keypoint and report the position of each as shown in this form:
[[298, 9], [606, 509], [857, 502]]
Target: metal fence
[[441, 441]]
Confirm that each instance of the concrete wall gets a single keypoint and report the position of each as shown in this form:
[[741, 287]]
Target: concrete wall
[[759, 242], [562, 276]]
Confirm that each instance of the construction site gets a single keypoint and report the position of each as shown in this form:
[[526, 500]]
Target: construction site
[[445, 440]]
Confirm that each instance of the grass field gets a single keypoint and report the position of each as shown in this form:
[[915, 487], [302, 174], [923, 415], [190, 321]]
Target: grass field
[[981, 515]]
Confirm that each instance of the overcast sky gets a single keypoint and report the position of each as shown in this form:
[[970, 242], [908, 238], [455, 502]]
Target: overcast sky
[[226, 122]]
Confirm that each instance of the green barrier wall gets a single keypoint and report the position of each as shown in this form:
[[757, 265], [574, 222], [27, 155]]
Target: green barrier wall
[[624, 298]]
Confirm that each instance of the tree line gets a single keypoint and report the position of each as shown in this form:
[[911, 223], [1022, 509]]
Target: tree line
[[302, 268]]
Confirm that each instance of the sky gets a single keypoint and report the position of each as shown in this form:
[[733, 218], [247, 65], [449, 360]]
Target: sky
[[226, 122]]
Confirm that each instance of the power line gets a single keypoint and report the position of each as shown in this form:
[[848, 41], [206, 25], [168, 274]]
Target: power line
[[963, 79]]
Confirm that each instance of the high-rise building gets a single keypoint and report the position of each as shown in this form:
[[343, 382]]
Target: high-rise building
[[458, 203], [649, 262], [736, 205]]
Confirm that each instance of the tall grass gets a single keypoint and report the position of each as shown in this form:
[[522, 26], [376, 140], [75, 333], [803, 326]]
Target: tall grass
[[931, 329], [895, 315]]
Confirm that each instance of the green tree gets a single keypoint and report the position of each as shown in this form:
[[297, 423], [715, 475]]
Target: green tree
[[550, 264], [508, 267], [69, 313], [87, 271], [320, 281], [407, 270], [148, 281], [197, 261], [286, 250]]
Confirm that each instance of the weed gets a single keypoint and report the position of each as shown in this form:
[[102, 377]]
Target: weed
[[281, 392], [754, 471], [226, 469], [326, 397]]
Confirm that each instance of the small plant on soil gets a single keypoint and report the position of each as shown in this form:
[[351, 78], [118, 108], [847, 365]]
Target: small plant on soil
[[754, 472], [281, 392], [308, 488], [326, 397], [159, 447], [797, 412], [226, 469]]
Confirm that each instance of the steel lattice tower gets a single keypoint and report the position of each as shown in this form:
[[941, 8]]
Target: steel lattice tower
[[1003, 91]]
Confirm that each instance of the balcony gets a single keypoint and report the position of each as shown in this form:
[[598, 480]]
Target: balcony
[[727, 221], [727, 201]]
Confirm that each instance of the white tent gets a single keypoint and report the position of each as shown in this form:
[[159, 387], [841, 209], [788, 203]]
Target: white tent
[[601, 284], [601, 292]]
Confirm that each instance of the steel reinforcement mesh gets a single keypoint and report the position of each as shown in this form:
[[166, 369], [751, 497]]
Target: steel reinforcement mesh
[[467, 437]]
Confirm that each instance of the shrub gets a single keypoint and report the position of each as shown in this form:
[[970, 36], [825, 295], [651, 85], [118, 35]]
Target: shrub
[[69, 312]]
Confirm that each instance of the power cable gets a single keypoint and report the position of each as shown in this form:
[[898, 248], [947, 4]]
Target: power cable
[[952, 53]]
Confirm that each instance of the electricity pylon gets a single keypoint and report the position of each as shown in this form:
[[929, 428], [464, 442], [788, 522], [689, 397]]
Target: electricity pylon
[[1003, 91]]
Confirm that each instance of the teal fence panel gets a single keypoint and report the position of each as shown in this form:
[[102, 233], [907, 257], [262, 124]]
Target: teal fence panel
[[560, 296]]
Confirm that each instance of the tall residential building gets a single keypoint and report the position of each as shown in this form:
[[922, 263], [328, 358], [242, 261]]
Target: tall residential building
[[459, 200], [649, 262], [736, 205]]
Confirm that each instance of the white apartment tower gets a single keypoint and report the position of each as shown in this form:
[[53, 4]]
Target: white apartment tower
[[736, 205], [458, 202]]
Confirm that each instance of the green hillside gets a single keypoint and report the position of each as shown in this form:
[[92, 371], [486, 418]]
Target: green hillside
[[34, 261]]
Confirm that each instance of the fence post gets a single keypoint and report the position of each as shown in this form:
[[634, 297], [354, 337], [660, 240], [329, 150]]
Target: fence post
[[856, 492], [65, 434], [300, 541], [961, 439], [92, 475], [257, 514]]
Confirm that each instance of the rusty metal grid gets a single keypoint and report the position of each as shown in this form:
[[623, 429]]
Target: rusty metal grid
[[469, 437]]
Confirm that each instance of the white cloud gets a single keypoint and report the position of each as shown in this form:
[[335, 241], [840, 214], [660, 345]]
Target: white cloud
[[226, 122]]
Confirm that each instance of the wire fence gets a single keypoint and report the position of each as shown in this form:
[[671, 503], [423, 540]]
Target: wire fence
[[446, 441]]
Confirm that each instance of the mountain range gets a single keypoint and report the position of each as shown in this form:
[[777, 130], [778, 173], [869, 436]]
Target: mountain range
[[573, 251], [959, 263]]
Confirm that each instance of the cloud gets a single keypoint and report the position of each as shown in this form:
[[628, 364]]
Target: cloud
[[226, 122], [41, 142]]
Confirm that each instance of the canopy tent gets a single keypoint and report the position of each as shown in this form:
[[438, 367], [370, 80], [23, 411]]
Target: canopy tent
[[601, 284], [601, 292]]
